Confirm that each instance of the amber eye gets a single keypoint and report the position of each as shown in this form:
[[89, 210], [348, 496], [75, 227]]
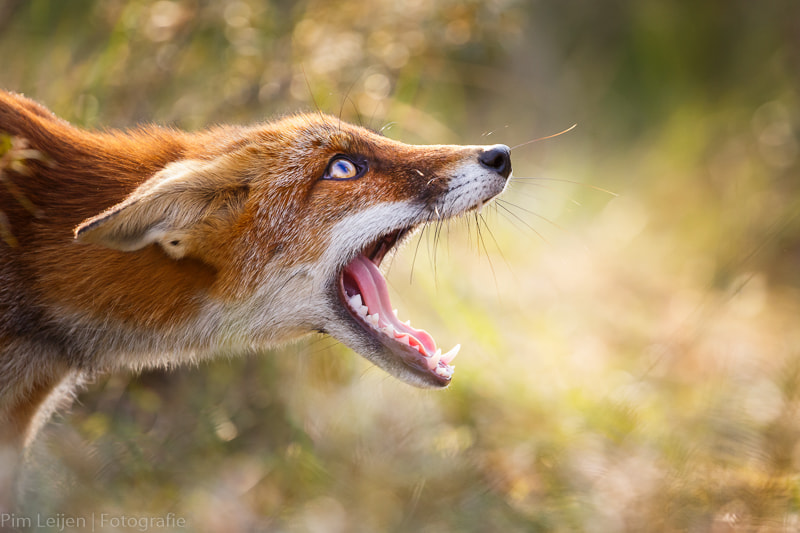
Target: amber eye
[[342, 168]]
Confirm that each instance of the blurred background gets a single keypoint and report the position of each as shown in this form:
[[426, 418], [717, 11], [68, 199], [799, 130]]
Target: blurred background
[[629, 312]]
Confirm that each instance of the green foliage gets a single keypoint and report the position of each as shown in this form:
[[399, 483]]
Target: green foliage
[[629, 362]]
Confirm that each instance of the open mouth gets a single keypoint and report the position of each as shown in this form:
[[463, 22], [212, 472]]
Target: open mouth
[[364, 293]]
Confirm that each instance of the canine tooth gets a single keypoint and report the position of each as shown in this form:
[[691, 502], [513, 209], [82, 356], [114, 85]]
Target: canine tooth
[[449, 356], [433, 362], [436, 355], [355, 301]]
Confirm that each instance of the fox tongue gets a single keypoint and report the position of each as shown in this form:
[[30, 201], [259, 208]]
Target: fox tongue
[[375, 295]]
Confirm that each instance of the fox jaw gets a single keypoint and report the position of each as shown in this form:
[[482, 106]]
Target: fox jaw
[[295, 222]]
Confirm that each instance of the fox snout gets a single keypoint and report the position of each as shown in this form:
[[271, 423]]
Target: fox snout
[[453, 181]]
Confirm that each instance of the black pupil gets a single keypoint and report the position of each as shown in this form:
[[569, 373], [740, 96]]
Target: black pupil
[[344, 167]]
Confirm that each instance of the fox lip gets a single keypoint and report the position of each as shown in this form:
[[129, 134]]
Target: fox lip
[[361, 291]]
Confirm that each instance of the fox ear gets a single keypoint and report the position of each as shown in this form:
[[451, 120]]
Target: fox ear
[[175, 209]]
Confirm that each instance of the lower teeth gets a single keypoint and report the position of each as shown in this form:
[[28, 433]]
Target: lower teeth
[[445, 370]]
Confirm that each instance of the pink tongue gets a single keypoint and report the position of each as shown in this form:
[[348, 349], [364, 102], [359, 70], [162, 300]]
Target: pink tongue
[[375, 295]]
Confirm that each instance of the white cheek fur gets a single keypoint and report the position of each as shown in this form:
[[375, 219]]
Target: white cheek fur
[[470, 187], [359, 229]]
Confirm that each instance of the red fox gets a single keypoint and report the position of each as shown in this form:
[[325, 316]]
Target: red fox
[[154, 247]]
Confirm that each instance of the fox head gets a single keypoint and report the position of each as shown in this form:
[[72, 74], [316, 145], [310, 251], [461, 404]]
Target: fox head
[[295, 218]]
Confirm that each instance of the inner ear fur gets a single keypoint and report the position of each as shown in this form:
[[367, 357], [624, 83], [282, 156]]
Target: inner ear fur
[[174, 209]]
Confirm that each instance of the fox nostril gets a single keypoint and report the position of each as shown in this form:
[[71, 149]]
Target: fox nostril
[[497, 158]]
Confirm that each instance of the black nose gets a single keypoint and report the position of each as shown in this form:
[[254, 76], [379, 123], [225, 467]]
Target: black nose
[[497, 158]]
